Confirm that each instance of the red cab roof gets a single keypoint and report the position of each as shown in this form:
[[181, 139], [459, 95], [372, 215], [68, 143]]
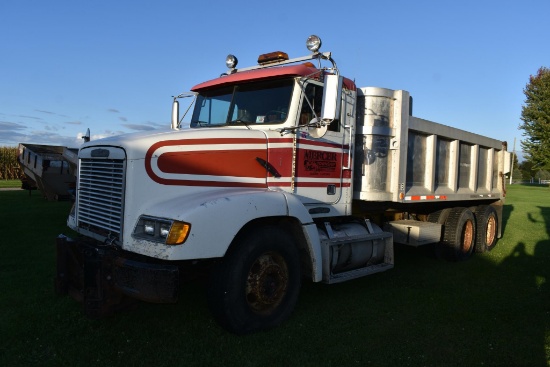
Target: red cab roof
[[268, 73]]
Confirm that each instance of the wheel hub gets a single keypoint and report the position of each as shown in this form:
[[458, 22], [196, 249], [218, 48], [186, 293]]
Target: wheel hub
[[491, 231], [267, 283], [468, 236]]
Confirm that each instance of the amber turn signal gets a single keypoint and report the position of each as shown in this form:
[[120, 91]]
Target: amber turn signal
[[178, 233]]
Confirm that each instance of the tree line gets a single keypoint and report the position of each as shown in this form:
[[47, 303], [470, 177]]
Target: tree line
[[535, 117]]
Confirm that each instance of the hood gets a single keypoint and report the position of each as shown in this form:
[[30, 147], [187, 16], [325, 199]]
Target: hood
[[137, 144], [220, 157]]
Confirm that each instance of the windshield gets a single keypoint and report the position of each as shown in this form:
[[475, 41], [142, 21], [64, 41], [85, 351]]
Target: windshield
[[248, 104]]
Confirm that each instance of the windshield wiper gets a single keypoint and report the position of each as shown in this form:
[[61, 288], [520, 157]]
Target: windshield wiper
[[239, 121], [315, 122]]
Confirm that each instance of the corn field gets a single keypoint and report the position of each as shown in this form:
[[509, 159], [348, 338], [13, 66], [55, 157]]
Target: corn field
[[9, 168]]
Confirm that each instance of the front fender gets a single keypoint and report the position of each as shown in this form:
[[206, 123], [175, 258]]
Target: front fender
[[311, 234], [215, 217]]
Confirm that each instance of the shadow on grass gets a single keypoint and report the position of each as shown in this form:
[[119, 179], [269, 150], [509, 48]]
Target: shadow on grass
[[530, 303], [506, 213]]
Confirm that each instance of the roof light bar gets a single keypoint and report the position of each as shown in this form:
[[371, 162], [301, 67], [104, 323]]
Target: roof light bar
[[272, 57], [279, 58]]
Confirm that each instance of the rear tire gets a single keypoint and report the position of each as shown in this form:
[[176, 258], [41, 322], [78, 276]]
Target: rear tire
[[257, 284], [459, 234], [487, 228], [439, 216]]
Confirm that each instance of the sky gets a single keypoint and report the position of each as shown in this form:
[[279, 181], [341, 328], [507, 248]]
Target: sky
[[113, 66]]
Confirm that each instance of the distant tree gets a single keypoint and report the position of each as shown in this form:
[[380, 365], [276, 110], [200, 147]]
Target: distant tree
[[526, 168], [542, 174], [517, 175], [535, 114]]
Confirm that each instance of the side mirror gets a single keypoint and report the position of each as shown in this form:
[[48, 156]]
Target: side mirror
[[332, 96], [175, 114], [316, 129]]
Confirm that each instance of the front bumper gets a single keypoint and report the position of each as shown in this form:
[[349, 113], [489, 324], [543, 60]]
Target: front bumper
[[104, 278]]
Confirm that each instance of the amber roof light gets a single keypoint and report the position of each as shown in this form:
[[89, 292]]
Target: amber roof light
[[272, 57]]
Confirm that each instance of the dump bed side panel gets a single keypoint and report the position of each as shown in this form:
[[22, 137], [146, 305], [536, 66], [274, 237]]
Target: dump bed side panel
[[402, 158]]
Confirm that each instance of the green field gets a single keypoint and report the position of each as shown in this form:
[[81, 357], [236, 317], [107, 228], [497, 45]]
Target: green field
[[10, 184], [493, 310]]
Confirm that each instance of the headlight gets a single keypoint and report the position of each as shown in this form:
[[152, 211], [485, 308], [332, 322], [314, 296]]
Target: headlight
[[164, 230], [313, 43], [149, 228], [231, 61], [169, 232]]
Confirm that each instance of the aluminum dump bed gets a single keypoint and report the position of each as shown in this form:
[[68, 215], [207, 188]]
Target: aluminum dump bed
[[402, 158]]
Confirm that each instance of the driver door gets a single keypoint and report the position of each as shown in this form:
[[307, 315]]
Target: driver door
[[320, 162]]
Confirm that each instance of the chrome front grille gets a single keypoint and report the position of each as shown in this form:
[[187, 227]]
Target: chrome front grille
[[101, 196]]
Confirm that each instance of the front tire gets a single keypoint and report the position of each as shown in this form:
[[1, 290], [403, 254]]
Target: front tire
[[257, 284]]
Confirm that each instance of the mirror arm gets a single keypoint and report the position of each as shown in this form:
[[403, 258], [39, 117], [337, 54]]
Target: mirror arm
[[187, 110], [176, 121]]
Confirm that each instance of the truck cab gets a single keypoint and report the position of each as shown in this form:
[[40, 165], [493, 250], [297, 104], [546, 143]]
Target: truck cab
[[306, 153]]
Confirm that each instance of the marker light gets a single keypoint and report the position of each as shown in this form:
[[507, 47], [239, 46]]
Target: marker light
[[313, 43], [178, 233], [272, 57], [231, 61]]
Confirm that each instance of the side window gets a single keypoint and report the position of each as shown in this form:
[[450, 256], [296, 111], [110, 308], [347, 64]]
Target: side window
[[314, 94]]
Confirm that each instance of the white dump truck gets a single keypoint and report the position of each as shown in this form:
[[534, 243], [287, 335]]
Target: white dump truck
[[286, 172]]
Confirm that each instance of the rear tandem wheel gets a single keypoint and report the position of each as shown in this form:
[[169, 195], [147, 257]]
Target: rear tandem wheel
[[459, 234], [486, 229]]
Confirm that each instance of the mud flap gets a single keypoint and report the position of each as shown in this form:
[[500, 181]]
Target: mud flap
[[105, 281]]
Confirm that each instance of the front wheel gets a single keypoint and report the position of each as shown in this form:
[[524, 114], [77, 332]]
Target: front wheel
[[256, 285]]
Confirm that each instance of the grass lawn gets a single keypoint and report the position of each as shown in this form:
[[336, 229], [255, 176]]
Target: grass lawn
[[10, 184], [493, 310]]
